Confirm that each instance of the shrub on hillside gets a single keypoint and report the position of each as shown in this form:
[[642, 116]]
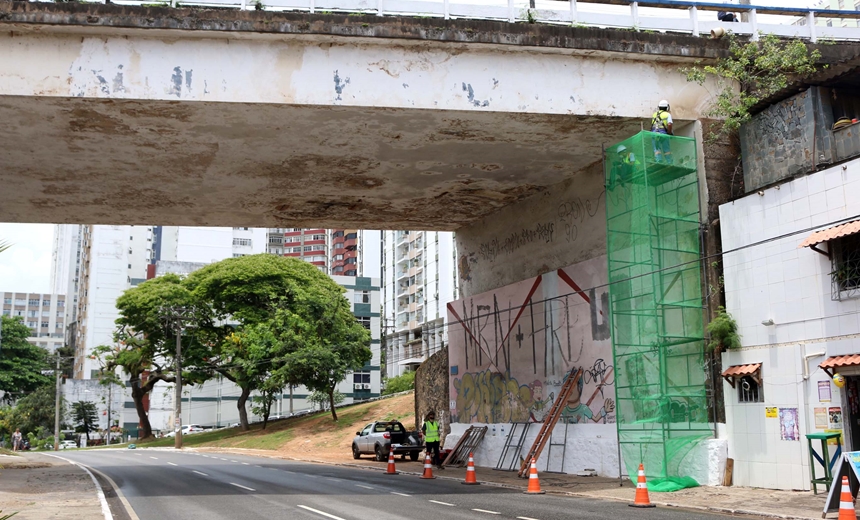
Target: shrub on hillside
[[400, 383]]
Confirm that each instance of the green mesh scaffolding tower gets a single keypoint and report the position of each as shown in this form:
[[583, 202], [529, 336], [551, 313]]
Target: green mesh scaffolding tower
[[656, 307]]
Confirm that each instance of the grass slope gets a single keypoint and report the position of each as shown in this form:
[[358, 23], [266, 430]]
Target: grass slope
[[304, 434]]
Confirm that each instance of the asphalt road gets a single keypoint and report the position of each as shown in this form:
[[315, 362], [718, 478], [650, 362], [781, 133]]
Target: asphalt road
[[161, 484]]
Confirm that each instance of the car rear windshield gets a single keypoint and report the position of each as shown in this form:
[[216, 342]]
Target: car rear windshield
[[387, 427]]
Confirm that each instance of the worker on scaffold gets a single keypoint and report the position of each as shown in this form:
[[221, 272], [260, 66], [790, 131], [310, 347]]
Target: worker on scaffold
[[661, 123]]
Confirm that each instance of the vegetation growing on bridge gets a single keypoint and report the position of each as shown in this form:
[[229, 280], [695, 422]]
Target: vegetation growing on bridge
[[752, 72]]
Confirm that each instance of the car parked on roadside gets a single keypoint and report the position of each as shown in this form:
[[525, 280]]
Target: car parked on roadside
[[381, 437], [188, 429], [64, 445]]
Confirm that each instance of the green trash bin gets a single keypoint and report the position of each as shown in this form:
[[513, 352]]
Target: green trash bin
[[824, 459]]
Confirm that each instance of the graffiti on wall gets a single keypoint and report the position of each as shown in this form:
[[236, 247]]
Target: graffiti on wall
[[511, 349]]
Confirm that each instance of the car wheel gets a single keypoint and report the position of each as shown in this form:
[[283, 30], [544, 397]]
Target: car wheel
[[380, 457], [356, 453], [414, 456]]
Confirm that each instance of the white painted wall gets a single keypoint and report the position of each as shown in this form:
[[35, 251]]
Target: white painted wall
[[779, 281]]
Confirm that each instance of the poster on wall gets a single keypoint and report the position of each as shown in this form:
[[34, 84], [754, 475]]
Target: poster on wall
[[824, 391], [835, 413], [770, 412], [788, 430], [821, 419]]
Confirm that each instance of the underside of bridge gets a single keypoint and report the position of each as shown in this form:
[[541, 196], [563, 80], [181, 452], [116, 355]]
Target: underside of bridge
[[227, 164]]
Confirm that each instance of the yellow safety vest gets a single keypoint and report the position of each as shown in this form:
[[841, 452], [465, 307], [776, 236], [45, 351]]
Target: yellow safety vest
[[432, 433], [660, 122]]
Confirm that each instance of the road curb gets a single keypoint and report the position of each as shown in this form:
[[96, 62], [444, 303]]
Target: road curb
[[99, 491]]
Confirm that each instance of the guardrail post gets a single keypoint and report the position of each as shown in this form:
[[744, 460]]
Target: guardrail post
[[694, 20], [634, 12], [810, 21], [312, 6], [573, 14], [244, 5], [379, 8], [754, 24], [511, 16], [446, 6]]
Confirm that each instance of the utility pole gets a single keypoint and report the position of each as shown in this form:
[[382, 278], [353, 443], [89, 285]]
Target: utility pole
[[110, 387], [176, 317], [57, 406]]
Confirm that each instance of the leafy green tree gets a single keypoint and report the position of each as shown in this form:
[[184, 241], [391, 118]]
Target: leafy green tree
[[401, 383], [323, 400], [723, 332], [270, 301], [145, 348], [752, 72], [262, 403], [85, 417], [32, 412], [21, 362], [324, 340]]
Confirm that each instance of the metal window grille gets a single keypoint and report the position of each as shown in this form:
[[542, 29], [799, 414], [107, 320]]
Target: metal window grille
[[845, 264], [749, 391]]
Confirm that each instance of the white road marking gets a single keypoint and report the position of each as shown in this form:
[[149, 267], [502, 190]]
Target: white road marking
[[488, 512], [156, 458], [241, 486], [234, 461], [199, 472], [172, 464], [245, 463], [223, 459], [442, 503], [317, 511], [334, 479], [365, 487], [525, 518], [401, 494]]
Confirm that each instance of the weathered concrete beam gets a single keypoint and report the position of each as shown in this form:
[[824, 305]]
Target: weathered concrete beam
[[232, 23]]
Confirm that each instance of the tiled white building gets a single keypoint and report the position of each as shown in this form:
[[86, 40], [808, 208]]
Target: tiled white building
[[419, 276], [794, 313]]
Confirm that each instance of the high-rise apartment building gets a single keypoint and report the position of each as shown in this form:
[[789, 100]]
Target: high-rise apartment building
[[44, 314], [419, 278], [310, 245], [112, 259]]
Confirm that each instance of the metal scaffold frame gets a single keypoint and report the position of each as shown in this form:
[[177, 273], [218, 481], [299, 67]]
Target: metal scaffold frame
[[656, 306]]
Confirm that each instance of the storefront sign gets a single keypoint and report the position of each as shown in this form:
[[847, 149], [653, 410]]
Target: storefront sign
[[824, 391], [770, 413]]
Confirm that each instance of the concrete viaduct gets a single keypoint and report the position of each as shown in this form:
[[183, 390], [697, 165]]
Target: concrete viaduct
[[218, 117]]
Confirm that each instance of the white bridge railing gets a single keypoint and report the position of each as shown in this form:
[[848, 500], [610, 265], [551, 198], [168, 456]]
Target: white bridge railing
[[695, 18]]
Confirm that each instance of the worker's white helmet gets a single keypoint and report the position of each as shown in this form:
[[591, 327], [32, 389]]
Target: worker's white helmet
[[663, 104], [621, 149]]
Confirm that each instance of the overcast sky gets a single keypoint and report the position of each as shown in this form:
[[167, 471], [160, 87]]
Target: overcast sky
[[27, 265]]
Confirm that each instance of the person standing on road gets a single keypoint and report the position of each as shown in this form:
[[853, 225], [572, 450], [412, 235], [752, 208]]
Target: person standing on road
[[17, 440], [430, 432]]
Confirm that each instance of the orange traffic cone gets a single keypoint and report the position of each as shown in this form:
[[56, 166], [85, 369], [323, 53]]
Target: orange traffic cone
[[391, 470], [642, 499], [428, 468], [846, 502], [470, 472], [534, 483]]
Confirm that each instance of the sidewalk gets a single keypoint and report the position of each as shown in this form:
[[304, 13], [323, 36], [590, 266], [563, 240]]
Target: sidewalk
[[42, 488], [766, 503]]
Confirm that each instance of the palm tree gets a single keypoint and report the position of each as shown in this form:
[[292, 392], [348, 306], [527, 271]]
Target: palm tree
[[4, 245]]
